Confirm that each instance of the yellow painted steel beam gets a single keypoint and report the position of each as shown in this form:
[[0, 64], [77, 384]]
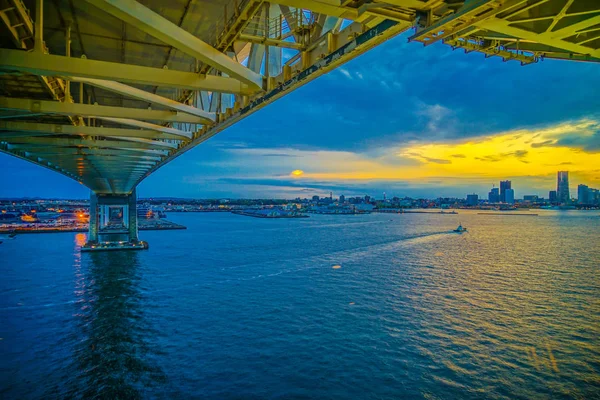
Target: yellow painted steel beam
[[146, 20], [148, 142], [90, 143], [96, 161], [131, 92], [47, 64], [331, 8], [89, 110], [270, 42], [129, 152], [553, 39], [56, 129], [120, 153], [168, 133]]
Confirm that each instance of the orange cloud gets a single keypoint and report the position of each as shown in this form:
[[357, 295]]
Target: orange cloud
[[519, 153]]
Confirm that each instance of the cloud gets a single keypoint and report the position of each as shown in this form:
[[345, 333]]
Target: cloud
[[345, 73], [436, 160], [279, 155], [458, 156], [542, 144]]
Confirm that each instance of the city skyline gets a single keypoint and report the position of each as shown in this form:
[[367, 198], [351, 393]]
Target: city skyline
[[374, 127]]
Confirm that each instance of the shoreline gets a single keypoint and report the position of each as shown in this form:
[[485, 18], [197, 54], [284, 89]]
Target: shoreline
[[163, 226], [256, 215]]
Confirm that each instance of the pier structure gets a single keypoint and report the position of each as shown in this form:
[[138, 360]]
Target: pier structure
[[108, 91], [113, 223]]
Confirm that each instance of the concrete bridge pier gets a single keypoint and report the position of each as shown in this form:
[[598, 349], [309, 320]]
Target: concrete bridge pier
[[113, 223]]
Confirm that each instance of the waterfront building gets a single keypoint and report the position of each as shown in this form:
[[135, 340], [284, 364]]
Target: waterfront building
[[315, 198], [494, 195], [531, 198], [472, 199], [342, 199], [583, 194], [552, 196], [509, 196], [562, 187], [504, 186], [594, 196]]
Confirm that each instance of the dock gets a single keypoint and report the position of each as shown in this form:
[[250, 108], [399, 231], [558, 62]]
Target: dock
[[272, 216], [143, 225], [507, 213]]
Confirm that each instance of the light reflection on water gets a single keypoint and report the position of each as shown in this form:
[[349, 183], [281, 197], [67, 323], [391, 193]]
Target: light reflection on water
[[237, 307]]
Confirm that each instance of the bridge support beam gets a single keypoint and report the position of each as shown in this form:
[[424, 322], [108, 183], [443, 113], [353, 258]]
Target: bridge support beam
[[113, 223]]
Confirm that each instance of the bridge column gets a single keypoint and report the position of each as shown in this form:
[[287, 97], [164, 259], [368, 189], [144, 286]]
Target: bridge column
[[115, 226], [93, 230], [132, 211]]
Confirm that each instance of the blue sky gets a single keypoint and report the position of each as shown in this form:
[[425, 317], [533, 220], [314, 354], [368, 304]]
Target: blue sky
[[389, 121]]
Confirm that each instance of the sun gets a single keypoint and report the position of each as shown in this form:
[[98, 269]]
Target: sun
[[297, 172]]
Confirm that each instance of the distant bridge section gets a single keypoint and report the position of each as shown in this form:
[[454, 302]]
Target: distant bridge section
[[108, 91]]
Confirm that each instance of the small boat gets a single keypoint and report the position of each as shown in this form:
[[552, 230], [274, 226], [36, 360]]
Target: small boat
[[460, 229]]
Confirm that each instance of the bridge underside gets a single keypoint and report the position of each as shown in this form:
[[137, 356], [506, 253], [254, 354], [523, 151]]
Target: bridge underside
[[107, 91]]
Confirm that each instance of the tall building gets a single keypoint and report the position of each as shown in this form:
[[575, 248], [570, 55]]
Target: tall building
[[504, 186], [494, 195], [594, 195], [583, 194], [342, 199], [552, 196], [562, 187], [509, 196], [472, 199]]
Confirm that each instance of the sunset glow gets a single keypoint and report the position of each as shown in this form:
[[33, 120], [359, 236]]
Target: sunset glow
[[530, 153]]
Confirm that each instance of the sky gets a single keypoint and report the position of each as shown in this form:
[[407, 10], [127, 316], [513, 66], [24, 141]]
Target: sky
[[403, 119]]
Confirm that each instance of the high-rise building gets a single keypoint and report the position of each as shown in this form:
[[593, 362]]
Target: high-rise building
[[583, 194], [562, 187], [472, 199], [552, 196], [342, 199], [494, 195], [504, 186], [509, 196], [594, 196], [315, 198]]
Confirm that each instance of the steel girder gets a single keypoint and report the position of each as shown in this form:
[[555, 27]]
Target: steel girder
[[94, 110], [53, 65], [156, 131], [144, 19]]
